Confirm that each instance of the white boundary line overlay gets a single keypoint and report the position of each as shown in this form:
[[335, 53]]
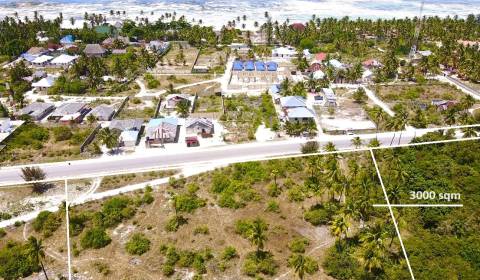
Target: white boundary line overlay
[[417, 205], [67, 218], [391, 214]]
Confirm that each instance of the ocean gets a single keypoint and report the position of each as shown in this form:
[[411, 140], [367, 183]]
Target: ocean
[[218, 12]]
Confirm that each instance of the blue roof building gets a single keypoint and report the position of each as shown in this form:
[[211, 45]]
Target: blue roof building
[[237, 65], [300, 113], [292, 102], [249, 65], [272, 66], [29, 57], [260, 66], [67, 40]]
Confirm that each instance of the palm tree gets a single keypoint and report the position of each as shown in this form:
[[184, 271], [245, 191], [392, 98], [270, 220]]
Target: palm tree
[[377, 116], [298, 263], [357, 142], [274, 174], [450, 116], [36, 252], [392, 124], [171, 89], [330, 147], [372, 258], [339, 226], [469, 132], [108, 138], [257, 235], [183, 108]]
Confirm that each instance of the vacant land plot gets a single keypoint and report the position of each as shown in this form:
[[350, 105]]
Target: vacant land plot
[[204, 225], [417, 99], [45, 143], [243, 115], [22, 199], [137, 108], [349, 115], [117, 181], [214, 59], [179, 59], [166, 81]]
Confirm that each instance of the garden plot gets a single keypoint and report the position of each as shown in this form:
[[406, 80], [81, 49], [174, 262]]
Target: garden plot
[[213, 59], [244, 114], [349, 115], [47, 142], [208, 103], [178, 60], [427, 104], [138, 108]]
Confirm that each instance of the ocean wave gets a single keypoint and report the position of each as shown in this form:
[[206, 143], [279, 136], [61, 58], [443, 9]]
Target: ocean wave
[[218, 12]]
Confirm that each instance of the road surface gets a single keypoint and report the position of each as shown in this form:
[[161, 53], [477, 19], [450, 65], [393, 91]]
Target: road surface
[[474, 93], [159, 159]]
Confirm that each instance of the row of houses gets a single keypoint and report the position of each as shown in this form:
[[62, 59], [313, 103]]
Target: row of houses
[[66, 113], [161, 131]]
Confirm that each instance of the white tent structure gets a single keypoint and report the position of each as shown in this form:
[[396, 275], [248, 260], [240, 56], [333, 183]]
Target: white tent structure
[[64, 60]]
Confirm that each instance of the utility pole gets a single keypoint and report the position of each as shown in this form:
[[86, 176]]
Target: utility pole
[[418, 28]]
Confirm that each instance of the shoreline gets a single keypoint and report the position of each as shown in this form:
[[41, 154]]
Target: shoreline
[[219, 13]]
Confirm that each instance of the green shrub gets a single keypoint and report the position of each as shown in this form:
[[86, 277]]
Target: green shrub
[[95, 238], [148, 198], [201, 230], [117, 209], [298, 245], [244, 227], [138, 244], [62, 133], [256, 263], [77, 223], [311, 266], [174, 223], [296, 193], [5, 216], [188, 202], [272, 206], [341, 264], [177, 183], [16, 262], [2, 233], [319, 214], [273, 190], [310, 147], [101, 268], [229, 253], [47, 223], [168, 270]]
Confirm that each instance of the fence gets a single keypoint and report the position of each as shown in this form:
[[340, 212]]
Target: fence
[[125, 101], [90, 138]]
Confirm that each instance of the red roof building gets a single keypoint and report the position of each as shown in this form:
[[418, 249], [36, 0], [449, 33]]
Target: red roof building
[[315, 67], [320, 57], [298, 26], [370, 63]]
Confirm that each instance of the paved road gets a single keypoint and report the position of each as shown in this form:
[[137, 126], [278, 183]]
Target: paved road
[[462, 86], [191, 157]]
